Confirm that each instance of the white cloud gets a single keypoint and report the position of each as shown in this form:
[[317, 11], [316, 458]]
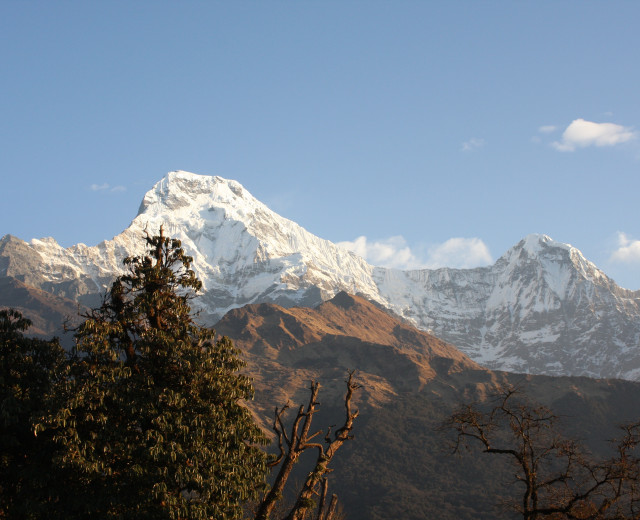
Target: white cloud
[[547, 129], [628, 250], [99, 187], [472, 144], [581, 133], [389, 252], [459, 252], [118, 188], [395, 253]]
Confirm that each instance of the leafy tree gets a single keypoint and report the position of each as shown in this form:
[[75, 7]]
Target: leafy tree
[[29, 368], [151, 421], [556, 478]]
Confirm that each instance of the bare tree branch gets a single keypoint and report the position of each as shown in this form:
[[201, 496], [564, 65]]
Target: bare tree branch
[[560, 480], [297, 441]]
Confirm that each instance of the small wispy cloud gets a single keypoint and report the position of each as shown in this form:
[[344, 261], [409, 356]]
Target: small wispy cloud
[[472, 144], [107, 187], [581, 134], [394, 252], [547, 129], [628, 250]]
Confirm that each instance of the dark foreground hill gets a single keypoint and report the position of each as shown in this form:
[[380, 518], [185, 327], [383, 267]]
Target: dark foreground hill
[[399, 465]]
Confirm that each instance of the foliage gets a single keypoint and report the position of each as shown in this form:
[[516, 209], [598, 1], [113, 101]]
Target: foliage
[[151, 421], [556, 478], [29, 369]]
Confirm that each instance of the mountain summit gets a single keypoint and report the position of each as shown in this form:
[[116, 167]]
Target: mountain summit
[[243, 251], [541, 308]]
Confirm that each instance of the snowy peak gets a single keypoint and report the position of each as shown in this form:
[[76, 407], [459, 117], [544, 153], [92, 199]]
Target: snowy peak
[[537, 248], [203, 206], [183, 194], [558, 263], [535, 243], [545, 249], [244, 252]]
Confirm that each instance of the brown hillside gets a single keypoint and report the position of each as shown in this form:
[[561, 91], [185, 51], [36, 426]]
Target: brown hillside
[[271, 327], [345, 333]]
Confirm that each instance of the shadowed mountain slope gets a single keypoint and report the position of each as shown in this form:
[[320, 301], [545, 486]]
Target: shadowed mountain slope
[[399, 465]]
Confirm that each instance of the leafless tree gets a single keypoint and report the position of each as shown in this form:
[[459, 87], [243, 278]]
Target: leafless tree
[[293, 443], [558, 479]]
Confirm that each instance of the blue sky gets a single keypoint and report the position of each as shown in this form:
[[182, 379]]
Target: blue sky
[[423, 133]]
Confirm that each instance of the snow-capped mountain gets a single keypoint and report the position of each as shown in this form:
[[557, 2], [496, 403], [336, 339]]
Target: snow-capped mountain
[[541, 308], [243, 252]]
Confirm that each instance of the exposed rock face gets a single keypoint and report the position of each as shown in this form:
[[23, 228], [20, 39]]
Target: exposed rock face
[[541, 308]]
